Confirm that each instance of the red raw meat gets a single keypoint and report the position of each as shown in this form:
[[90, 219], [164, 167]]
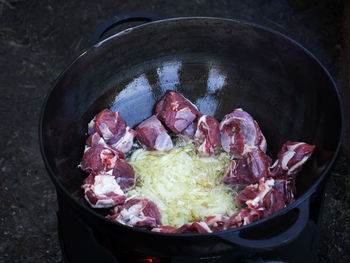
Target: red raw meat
[[286, 188], [291, 158], [176, 111], [243, 217], [109, 125], [102, 191], [263, 198], [100, 158], [164, 229], [207, 135], [217, 222], [194, 228], [139, 212], [125, 143], [249, 169], [253, 195], [152, 135], [124, 174], [94, 139], [241, 134], [190, 130]]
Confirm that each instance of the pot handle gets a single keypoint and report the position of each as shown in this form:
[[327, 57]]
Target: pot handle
[[283, 238], [121, 19]]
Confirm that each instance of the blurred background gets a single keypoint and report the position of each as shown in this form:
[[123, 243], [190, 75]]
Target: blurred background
[[38, 39]]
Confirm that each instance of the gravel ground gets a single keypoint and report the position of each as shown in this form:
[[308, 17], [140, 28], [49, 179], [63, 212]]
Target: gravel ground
[[39, 38]]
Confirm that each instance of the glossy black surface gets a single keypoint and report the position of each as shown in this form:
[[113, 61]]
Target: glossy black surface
[[219, 65]]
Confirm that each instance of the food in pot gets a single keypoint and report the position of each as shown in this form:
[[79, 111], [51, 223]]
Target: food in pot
[[240, 134], [176, 111], [152, 135], [138, 211], [112, 128], [200, 176], [184, 185]]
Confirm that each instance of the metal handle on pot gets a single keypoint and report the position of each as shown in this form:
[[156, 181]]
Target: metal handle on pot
[[121, 19], [283, 238]]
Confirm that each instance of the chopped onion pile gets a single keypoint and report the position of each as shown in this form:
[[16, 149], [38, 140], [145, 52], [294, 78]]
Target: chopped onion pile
[[184, 186]]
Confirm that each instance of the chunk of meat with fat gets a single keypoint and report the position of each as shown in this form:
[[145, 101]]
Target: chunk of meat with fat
[[152, 135], [164, 229], [263, 197], [176, 111], [207, 135], [286, 188], [124, 174], [241, 134], [138, 212], [189, 131], [194, 228], [291, 158], [249, 169], [102, 191], [109, 125], [100, 158], [217, 222], [243, 217], [93, 140], [112, 128], [124, 144]]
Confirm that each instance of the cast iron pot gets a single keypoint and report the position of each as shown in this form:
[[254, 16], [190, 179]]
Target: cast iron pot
[[218, 64]]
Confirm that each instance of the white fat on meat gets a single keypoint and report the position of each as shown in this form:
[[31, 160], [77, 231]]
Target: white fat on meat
[[103, 184], [125, 143], [131, 216], [264, 189], [106, 184], [288, 155], [163, 142], [91, 126], [105, 155], [205, 226], [297, 165], [107, 134]]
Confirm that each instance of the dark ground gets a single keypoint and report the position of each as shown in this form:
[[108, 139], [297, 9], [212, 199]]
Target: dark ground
[[39, 38]]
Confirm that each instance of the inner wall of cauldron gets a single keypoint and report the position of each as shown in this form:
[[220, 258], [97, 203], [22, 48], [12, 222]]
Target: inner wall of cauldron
[[218, 65]]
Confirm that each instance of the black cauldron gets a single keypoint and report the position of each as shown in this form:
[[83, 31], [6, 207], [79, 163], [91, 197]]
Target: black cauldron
[[218, 64]]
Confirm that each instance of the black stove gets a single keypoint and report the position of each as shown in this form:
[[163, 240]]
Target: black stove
[[80, 243]]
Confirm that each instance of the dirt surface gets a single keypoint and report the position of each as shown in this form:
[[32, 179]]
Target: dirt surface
[[38, 39]]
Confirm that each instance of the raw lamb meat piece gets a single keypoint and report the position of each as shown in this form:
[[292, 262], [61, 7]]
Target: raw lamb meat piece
[[249, 169], [112, 128], [139, 212], [194, 228], [102, 191], [164, 229], [217, 222], [189, 131], [152, 135], [241, 134], [125, 143], [207, 135], [100, 158], [109, 125], [243, 217], [176, 111], [291, 158], [94, 139], [253, 195], [273, 202], [286, 188], [262, 196], [124, 174]]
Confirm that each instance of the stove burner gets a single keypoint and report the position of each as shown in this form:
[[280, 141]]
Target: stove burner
[[80, 243]]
